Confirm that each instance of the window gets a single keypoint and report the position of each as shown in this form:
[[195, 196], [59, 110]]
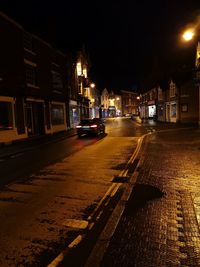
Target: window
[[184, 107], [172, 89], [28, 41], [173, 110], [57, 80], [30, 75], [57, 114], [6, 116]]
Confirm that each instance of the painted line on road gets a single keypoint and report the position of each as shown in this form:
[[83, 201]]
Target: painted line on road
[[75, 224], [60, 257], [134, 155], [110, 193], [103, 241]]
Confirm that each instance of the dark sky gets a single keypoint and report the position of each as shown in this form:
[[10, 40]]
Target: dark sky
[[129, 42]]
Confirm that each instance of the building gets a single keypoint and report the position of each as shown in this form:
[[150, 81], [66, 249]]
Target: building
[[42, 90], [130, 102], [175, 100], [111, 104], [104, 103]]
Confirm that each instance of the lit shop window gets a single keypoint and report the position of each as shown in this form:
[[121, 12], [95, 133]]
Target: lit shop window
[[6, 116], [57, 114]]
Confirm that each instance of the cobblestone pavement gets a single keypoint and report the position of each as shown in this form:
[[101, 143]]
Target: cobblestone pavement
[[160, 226]]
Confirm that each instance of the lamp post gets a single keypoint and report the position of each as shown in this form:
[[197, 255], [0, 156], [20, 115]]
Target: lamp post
[[188, 36]]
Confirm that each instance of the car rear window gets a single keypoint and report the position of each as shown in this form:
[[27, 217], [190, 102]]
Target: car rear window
[[86, 122]]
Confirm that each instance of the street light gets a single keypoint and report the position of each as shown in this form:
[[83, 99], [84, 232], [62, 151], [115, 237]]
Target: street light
[[92, 85], [187, 36]]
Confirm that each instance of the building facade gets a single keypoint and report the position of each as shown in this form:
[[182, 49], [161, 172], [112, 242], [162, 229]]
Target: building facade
[[130, 102], [174, 102], [42, 90]]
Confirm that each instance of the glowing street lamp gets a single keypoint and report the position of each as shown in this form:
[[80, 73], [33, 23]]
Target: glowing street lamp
[[92, 85], [189, 35]]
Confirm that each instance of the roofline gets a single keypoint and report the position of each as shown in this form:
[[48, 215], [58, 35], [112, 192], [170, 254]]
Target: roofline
[[126, 91], [11, 20]]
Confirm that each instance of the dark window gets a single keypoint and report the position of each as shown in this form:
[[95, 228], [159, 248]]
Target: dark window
[[30, 75], [57, 80], [6, 116], [28, 41], [57, 114]]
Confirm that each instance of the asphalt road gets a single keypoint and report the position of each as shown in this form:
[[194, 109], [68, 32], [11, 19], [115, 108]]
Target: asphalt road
[[53, 192], [50, 190]]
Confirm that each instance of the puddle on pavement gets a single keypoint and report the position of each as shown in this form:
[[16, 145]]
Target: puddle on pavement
[[141, 194]]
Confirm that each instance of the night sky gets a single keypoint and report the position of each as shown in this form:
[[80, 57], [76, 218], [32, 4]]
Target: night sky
[[131, 44]]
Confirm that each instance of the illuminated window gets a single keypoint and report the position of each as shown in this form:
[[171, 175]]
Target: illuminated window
[[57, 114], [79, 69], [85, 72], [6, 116]]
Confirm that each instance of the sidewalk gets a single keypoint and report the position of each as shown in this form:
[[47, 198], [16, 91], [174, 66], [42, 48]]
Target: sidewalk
[[160, 225], [29, 143]]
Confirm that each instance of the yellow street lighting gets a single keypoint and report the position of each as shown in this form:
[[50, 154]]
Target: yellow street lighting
[[92, 85], [188, 35]]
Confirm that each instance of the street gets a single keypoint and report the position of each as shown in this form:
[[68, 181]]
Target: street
[[36, 205], [161, 219], [62, 188]]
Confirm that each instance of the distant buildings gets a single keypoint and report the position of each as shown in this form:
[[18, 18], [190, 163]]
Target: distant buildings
[[175, 100], [130, 102]]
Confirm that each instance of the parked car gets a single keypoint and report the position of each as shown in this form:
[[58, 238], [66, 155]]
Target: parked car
[[90, 126], [128, 115]]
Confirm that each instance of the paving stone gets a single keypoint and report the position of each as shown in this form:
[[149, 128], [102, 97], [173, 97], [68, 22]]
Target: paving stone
[[164, 232]]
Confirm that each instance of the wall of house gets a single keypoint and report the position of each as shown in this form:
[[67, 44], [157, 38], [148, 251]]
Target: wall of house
[[189, 104], [31, 93]]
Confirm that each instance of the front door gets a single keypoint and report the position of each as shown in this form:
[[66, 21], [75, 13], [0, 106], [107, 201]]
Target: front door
[[35, 118]]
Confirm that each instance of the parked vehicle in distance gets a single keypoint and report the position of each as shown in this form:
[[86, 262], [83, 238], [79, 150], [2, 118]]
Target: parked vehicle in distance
[[90, 126], [128, 115]]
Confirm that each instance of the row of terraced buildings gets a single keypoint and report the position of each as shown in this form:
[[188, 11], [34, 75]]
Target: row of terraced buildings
[[42, 90]]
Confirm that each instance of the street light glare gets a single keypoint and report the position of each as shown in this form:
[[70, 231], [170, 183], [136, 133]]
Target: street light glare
[[188, 35], [92, 85]]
